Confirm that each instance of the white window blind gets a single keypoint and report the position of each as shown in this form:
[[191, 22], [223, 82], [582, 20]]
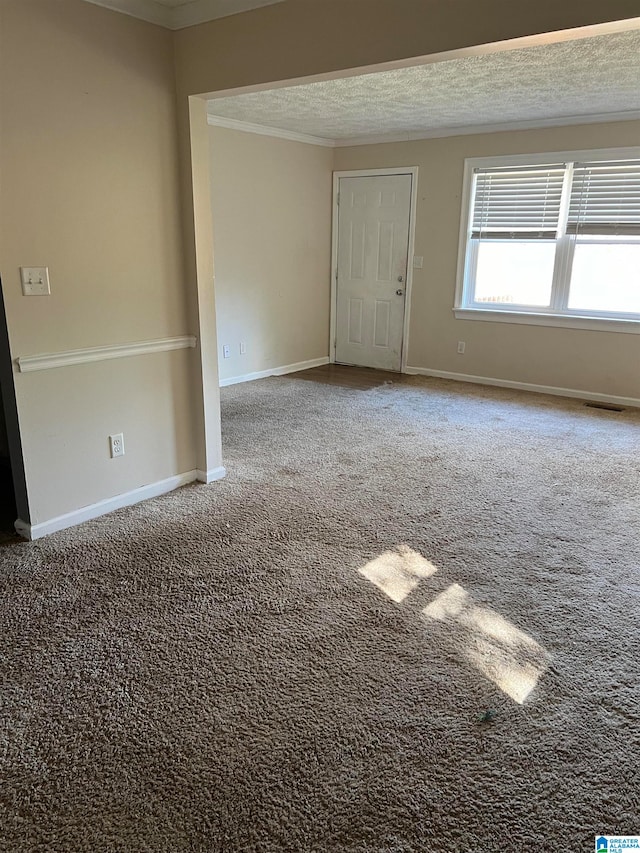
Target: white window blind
[[554, 238], [517, 202], [605, 199]]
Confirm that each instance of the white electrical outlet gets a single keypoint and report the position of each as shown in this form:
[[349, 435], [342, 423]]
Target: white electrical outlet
[[461, 346], [116, 445], [226, 351], [35, 281], [243, 348]]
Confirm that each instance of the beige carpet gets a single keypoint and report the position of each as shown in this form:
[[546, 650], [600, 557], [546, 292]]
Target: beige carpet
[[406, 621]]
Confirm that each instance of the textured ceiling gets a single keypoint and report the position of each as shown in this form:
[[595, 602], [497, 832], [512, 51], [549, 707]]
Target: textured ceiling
[[176, 14], [174, 2], [575, 78]]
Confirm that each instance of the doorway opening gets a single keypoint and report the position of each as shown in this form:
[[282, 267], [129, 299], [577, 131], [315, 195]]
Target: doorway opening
[[8, 510], [13, 486]]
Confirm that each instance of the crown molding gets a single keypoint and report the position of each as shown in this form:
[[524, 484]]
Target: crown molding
[[470, 130], [179, 17], [263, 130], [144, 10], [415, 136], [201, 11]]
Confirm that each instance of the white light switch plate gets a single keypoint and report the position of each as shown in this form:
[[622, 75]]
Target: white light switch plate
[[35, 281], [418, 260]]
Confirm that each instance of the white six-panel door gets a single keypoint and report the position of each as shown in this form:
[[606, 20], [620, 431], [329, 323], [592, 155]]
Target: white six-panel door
[[373, 242]]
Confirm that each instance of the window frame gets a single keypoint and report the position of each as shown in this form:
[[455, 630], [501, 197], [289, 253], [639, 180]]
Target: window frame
[[558, 314]]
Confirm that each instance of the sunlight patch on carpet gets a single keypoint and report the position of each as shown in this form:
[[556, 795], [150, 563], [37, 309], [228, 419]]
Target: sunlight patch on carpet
[[507, 656], [397, 573]]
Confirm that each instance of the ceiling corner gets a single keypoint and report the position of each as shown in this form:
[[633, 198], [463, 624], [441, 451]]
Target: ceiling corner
[[201, 11], [144, 10], [175, 15]]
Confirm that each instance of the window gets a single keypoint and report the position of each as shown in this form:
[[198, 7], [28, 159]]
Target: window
[[552, 239]]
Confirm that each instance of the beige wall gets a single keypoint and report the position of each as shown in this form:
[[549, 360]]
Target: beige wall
[[90, 188], [271, 201], [304, 37], [603, 362], [272, 261]]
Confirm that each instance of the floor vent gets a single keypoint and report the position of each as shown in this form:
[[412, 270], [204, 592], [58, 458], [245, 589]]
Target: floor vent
[[608, 406]]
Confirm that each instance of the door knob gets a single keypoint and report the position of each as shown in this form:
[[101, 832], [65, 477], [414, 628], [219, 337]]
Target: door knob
[[400, 278], [399, 291]]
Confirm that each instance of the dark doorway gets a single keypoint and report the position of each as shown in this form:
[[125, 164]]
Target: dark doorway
[[13, 486], [8, 510]]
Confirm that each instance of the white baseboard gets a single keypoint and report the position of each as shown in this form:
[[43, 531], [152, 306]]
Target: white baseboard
[[526, 386], [86, 513], [276, 371], [212, 475]]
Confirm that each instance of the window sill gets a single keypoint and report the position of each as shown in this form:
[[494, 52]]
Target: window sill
[[566, 321]]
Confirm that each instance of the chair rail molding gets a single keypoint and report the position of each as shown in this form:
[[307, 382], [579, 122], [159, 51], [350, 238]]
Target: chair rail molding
[[48, 361]]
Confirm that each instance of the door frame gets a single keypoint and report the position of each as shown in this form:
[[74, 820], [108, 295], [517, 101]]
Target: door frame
[[372, 173]]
